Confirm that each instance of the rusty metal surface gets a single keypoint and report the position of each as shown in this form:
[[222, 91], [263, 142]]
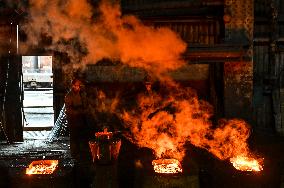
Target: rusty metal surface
[[197, 22], [147, 7], [217, 53], [193, 30], [238, 76], [239, 29], [268, 66], [238, 87]]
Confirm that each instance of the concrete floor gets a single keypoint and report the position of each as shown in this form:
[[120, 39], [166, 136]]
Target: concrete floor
[[38, 112], [38, 108]]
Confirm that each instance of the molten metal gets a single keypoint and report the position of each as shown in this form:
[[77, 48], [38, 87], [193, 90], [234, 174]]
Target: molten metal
[[42, 167], [246, 163], [167, 166], [105, 134]]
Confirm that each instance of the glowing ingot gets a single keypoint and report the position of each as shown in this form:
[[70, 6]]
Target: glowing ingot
[[167, 166], [42, 167]]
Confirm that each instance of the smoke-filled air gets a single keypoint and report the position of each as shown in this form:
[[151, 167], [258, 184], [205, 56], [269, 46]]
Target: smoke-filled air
[[109, 35], [162, 123]]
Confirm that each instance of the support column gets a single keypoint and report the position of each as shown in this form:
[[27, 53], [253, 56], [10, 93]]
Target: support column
[[238, 76]]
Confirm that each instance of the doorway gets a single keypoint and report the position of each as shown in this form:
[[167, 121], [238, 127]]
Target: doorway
[[38, 108]]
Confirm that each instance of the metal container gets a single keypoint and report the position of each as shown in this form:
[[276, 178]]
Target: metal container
[[105, 148]]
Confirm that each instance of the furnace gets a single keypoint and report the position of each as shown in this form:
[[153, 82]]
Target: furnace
[[217, 75]]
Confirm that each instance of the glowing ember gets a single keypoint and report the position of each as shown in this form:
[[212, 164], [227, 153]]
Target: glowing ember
[[246, 163], [167, 166], [42, 167]]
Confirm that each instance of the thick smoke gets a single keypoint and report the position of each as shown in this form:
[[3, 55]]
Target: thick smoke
[[109, 35], [164, 124]]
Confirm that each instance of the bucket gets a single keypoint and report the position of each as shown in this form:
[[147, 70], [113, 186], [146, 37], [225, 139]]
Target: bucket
[[105, 148]]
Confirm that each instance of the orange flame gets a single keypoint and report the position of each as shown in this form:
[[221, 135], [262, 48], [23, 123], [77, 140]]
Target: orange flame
[[42, 167], [156, 50], [167, 166], [166, 131], [246, 164]]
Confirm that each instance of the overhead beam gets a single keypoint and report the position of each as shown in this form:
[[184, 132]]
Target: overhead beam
[[216, 53]]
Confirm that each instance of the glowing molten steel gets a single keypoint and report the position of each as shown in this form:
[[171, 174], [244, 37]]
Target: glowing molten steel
[[167, 166], [42, 167], [246, 164]]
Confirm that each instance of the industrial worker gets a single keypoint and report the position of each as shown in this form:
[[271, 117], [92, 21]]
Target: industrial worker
[[76, 109], [143, 106], [149, 100], [77, 121]]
